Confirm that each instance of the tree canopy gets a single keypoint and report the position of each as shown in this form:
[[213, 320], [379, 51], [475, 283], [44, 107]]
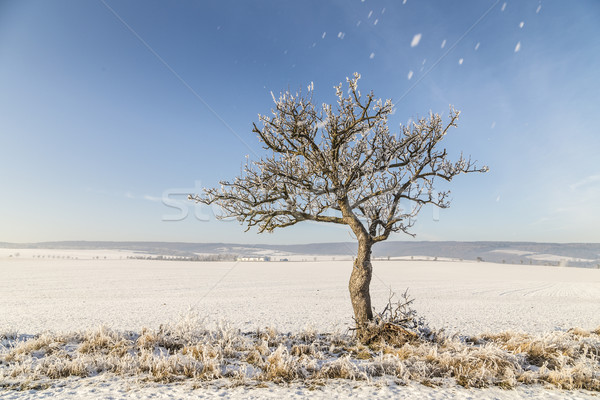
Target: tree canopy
[[340, 164]]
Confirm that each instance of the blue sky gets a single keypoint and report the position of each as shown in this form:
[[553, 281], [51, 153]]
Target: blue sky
[[108, 108]]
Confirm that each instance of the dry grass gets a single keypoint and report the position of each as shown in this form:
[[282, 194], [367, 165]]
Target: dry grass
[[189, 351]]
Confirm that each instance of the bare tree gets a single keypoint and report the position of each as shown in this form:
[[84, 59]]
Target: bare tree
[[340, 164]]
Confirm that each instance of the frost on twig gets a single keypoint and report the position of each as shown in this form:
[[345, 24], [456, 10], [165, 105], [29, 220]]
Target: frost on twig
[[397, 324]]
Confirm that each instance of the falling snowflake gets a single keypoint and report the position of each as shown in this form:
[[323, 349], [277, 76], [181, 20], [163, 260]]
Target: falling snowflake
[[503, 7], [537, 11], [372, 56], [522, 24], [370, 13], [383, 11], [376, 21], [493, 125], [323, 35], [415, 40], [477, 46], [341, 35], [404, 2], [460, 61], [358, 23], [443, 43], [518, 47], [410, 74]]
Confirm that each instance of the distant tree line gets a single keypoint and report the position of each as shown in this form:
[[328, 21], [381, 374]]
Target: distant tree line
[[204, 257]]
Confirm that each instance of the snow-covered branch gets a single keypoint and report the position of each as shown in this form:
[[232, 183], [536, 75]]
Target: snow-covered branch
[[340, 164]]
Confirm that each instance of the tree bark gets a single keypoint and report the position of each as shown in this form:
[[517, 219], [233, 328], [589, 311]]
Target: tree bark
[[359, 284]]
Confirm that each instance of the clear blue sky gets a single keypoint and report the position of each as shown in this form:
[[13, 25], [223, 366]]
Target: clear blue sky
[[106, 108]]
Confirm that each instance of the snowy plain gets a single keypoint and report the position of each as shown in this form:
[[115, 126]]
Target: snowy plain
[[68, 294]]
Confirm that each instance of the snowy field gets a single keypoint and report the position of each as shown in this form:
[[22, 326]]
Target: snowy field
[[469, 298]]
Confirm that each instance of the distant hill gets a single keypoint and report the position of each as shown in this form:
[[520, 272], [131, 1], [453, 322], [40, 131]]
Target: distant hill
[[573, 254]]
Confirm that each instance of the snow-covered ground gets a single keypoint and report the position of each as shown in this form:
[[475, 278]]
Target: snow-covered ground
[[66, 294]]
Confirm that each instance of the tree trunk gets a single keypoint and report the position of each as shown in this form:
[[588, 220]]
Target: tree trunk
[[359, 284]]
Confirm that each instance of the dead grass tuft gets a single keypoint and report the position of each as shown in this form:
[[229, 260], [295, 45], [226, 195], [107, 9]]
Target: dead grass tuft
[[396, 325], [188, 351]]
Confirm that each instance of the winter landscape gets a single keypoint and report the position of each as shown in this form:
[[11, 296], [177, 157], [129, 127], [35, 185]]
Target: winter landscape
[[66, 318], [391, 199]]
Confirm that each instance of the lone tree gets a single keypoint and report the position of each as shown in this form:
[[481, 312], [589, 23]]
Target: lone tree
[[340, 164]]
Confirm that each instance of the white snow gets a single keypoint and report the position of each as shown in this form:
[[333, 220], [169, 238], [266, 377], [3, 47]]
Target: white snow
[[538, 9], [521, 24], [470, 297], [460, 61], [323, 35], [503, 7], [341, 35], [443, 44], [518, 47], [61, 294], [415, 40], [477, 46], [410, 75], [115, 389], [511, 251], [372, 56]]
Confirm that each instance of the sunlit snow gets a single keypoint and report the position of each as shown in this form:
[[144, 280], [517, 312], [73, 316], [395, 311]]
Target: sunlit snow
[[372, 56], [443, 44], [410, 75], [518, 47], [460, 61], [477, 46], [522, 24], [503, 7]]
